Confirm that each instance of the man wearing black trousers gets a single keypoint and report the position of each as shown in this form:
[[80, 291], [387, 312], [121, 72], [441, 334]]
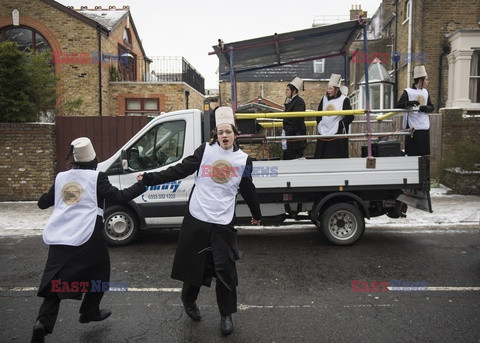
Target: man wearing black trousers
[[78, 254], [294, 126], [207, 245]]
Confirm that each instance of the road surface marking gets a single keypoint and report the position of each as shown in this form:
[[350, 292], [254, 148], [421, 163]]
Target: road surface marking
[[433, 289], [177, 290]]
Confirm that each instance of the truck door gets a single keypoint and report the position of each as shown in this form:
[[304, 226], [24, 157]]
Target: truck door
[[159, 148]]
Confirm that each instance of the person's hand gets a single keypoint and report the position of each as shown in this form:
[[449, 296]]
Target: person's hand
[[255, 221], [139, 177], [413, 103]]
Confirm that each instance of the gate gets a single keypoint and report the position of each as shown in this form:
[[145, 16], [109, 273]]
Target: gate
[[108, 134]]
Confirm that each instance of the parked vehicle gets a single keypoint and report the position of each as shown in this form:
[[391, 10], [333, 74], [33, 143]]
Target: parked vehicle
[[335, 194]]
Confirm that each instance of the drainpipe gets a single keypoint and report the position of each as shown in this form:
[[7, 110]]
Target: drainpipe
[[395, 85], [187, 93], [233, 82], [99, 71], [409, 66], [445, 51]]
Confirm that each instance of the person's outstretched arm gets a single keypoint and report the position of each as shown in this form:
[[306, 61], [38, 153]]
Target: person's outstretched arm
[[188, 166]]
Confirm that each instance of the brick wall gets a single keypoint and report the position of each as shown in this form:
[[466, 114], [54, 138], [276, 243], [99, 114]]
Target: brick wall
[[458, 124], [27, 160], [311, 93], [171, 95]]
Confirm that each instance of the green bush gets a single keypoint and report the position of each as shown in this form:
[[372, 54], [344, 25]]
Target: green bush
[[27, 84]]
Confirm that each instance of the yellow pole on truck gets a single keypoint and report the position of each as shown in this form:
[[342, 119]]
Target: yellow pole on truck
[[280, 124], [297, 114]]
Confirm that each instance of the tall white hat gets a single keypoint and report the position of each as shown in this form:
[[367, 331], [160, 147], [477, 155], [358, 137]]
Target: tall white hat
[[335, 80], [83, 150], [419, 71], [224, 115], [297, 83]]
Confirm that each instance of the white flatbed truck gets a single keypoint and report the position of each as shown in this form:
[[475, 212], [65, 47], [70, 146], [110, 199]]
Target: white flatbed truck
[[335, 194]]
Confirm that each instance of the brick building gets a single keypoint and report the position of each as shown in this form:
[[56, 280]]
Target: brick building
[[444, 36], [99, 57]]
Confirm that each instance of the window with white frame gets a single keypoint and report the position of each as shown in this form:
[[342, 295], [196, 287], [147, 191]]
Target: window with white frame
[[319, 66], [474, 87]]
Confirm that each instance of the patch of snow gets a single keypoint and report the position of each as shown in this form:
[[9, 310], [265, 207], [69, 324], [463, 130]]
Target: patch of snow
[[24, 218]]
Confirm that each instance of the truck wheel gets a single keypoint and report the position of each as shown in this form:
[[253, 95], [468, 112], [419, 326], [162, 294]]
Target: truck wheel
[[342, 224], [121, 226]]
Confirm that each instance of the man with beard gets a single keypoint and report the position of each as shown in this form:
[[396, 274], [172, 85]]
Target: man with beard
[[294, 126]]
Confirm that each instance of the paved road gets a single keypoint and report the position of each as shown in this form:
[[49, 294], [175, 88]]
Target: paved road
[[294, 287]]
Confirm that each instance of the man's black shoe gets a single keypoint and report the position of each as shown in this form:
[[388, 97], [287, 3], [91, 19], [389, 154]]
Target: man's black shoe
[[38, 335], [226, 325], [192, 310], [95, 316]]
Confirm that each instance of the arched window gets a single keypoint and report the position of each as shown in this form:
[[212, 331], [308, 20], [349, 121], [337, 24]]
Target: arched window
[[25, 37]]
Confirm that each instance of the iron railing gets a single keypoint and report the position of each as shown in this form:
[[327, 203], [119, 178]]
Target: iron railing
[[174, 69]]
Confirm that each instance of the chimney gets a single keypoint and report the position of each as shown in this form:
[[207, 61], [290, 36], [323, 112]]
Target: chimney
[[356, 10]]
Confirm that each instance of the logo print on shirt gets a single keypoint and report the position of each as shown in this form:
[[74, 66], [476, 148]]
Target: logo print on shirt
[[221, 171], [330, 107], [421, 100], [72, 192]]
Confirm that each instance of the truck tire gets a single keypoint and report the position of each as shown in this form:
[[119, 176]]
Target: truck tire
[[342, 224], [121, 225]]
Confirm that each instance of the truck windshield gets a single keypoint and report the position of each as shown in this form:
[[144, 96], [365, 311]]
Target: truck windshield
[[161, 145]]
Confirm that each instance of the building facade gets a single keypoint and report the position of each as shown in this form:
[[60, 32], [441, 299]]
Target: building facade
[[444, 36], [99, 57]]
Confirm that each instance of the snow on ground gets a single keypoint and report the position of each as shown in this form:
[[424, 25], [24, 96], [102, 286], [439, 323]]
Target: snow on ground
[[449, 210]]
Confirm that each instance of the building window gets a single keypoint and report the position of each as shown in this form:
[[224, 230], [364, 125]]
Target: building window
[[142, 107], [319, 66], [160, 146], [25, 37], [474, 89]]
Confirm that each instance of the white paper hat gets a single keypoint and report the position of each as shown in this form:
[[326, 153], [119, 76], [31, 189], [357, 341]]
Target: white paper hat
[[335, 80], [344, 90], [419, 71], [297, 83], [83, 150], [224, 115]]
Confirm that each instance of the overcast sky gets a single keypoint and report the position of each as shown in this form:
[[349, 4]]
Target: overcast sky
[[190, 28]]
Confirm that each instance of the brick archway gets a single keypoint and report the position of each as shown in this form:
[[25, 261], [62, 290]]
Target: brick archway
[[41, 28]]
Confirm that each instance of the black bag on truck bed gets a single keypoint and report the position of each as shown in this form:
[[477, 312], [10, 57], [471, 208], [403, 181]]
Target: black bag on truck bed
[[384, 149]]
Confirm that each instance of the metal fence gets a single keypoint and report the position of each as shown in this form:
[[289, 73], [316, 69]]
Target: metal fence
[[175, 69]]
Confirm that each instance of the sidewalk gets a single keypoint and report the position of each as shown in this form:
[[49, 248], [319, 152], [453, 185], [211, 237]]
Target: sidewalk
[[26, 219]]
